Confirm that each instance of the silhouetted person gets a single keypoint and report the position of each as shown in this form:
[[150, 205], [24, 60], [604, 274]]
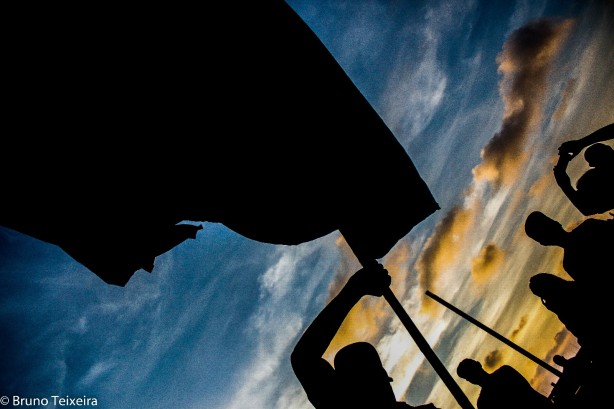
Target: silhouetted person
[[595, 390], [574, 378], [504, 388], [588, 256], [358, 379], [569, 301], [594, 192]]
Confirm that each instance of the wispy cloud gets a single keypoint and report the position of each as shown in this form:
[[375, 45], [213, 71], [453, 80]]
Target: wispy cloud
[[417, 93], [416, 85], [266, 380], [96, 371]]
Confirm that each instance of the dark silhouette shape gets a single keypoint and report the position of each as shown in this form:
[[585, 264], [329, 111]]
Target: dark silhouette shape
[[594, 192], [358, 379], [588, 257], [595, 390], [503, 388], [566, 391], [127, 123], [571, 304]]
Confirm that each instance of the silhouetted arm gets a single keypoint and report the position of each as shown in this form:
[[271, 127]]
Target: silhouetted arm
[[564, 182], [573, 147], [585, 203], [313, 371]]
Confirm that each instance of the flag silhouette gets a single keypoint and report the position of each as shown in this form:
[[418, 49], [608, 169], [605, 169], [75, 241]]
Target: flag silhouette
[[126, 124]]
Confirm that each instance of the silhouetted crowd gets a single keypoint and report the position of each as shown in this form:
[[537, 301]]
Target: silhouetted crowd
[[581, 303], [358, 379]]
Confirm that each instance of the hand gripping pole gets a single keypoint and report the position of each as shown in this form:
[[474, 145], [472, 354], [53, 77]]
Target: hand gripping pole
[[421, 342]]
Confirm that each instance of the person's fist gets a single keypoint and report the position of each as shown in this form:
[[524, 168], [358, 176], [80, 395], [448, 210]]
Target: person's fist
[[371, 280]]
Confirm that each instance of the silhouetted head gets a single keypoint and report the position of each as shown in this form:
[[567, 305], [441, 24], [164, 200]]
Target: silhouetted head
[[599, 155], [546, 285], [359, 367], [472, 371], [560, 360], [544, 230]]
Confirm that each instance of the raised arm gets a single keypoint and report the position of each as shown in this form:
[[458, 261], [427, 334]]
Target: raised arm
[[309, 367], [573, 147], [563, 180], [588, 202]]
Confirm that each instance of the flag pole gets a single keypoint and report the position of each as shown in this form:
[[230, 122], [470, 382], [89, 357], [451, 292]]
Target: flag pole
[[422, 344], [495, 334]]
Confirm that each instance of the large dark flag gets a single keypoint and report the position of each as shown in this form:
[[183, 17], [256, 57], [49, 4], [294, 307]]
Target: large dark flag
[[127, 124]]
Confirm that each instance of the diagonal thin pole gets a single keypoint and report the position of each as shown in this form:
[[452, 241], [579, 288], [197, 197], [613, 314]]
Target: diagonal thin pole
[[496, 334], [430, 355], [423, 345]]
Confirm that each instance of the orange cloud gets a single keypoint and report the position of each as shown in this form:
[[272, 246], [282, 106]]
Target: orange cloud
[[493, 359], [348, 264], [365, 322], [370, 317], [521, 325], [396, 263], [487, 262], [525, 63], [441, 249]]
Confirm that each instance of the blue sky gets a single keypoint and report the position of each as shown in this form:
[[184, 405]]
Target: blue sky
[[214, 324]]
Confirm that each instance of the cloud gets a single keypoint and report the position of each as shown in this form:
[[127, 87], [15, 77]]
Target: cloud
[[365, 322], [442, 248], [368, 320], [525, 64], [540, 187], [96, 371], [419, 95], [396, 262], [487, 262], [348, 264], [567, 99], [493, 359], [521, 325], [565, 345], [287, 289], [415, 88]]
